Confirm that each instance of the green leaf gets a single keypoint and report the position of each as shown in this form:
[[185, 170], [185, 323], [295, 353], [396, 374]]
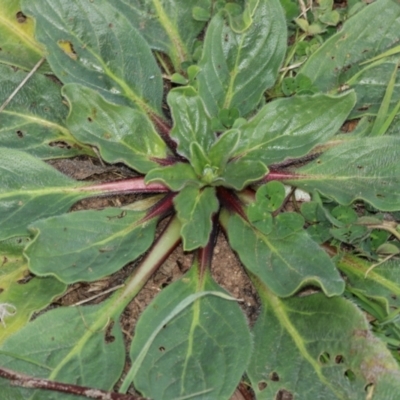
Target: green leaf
[[366, 169], [222, 149], [174, 176], [236, 68], [24, 297], [88, 245], [31, 190], [270, 196], [167, 26], [242, 171], [191, 121], [344, 59], [34, 121], [18, 45], [333, 354], [121, 133], [287, 128], [202, 350], [96, 45], [286, 259], [239, 22], [78, 345], [195, 208]]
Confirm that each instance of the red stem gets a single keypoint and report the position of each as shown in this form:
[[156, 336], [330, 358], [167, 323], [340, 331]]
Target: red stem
[[26, 381], [132, 185], [279, 176], [162, 208], [231, 202]]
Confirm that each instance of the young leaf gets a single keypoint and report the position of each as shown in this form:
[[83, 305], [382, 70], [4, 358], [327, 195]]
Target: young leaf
[[78, 345], [167, 26], [174, 176], [121, 133], [201, 351], [191, 121], [88, 245], [34, 121], [195, 208], [31, 190], [333, 354], [343, 60], [96, 45], [365, 169], [236, 68], [288, 128], [18, 45], [286, 259], [13, 291]]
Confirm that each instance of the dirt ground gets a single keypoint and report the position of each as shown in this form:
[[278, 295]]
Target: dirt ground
[[226, 268]]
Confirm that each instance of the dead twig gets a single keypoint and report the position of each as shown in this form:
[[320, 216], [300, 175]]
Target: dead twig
[[26, 381], [11, 96]]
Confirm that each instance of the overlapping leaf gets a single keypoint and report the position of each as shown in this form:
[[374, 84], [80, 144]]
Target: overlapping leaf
[[76, 345], [34, 121], [191, 121], [195, 208], [200, 351], [97, 45], [236, 68], [18, 45], [344, 60], [328, 343], [88, 245], [288, 128], [167, 26], [24, 298], [285, 258], [121, 133], [365, 169], [31, 190]]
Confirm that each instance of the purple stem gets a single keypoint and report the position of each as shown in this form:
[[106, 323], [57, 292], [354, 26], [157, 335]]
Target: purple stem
[[231, 202], [132, 185]]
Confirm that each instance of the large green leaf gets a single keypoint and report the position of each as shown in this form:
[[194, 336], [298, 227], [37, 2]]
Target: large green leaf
[[200, 352], [289, 128], [343, 60], [283, 256], [332, 353], [167, 26], [195, 208], [79, 345], [96, 45], [30, 190], [366, 169], [18, 46], [24, 297], [121, 133], [191, 121], [34, 121], [88, 245], [236, 68]]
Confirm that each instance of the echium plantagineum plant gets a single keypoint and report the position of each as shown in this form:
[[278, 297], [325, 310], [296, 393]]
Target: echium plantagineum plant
[[217, 155]]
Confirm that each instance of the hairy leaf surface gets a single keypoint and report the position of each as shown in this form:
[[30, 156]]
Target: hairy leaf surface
[[96, 45], [18, 45], [88, 245], [34, 121], [288, 128], [195, 208], [366, 169], [26, 297], [286, 258], [31, 190], [203, 350], [236, 68], [120, 133], [68, 344], [346, 59], [329, 344]]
